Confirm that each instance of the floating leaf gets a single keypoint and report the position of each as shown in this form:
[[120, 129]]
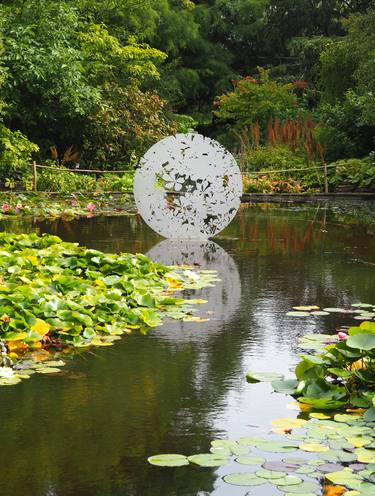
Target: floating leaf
[[244, 479], [319, 416], [297, 314], [286, 386], [254, 377], [345, 477], [289, 423], [304, 487], [168, 460], [306, 308], [314, 447], [287, 480], [269, 474], [208, 460]]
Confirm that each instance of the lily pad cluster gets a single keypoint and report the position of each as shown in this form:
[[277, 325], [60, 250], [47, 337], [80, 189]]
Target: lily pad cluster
[[322, 452], [56, 296], [67, 207], [359, 311]]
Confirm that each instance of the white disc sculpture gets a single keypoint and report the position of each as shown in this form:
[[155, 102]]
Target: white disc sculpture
[[188, 186]]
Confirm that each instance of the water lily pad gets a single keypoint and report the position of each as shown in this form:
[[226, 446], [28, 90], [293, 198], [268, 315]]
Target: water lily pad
[[307, 308], [282, 466], [319, 313], [269, 474], [313, 447], [329, 467], [287, 480], [306, 469], [289, 423], [47, 370], [221, 450], [339, 456], [250, 460], [334, 310], [286, 386], [319, 416], [304, 487], [168, 460], [345, 477], [244, 479], [254, 377], [297, 314], [209, 460]]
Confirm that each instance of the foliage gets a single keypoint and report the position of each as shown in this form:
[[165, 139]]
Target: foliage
[[60, 81], [127, 124], [281, 157], [73, 182], [15, 153], [257, 101], [358, 172], [55, 295]]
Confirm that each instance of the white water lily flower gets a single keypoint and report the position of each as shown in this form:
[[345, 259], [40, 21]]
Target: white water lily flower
[[6, 372]]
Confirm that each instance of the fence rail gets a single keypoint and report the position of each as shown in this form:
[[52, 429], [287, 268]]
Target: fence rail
[[246, 174]]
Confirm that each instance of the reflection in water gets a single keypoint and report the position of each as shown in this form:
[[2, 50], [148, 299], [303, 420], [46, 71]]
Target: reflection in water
[[89, 430], [224, 298]]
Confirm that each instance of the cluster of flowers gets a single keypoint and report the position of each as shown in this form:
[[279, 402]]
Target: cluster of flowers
[[5, 207]]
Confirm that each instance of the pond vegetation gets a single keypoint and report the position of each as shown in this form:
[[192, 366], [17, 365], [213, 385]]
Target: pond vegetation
[[56, 296]]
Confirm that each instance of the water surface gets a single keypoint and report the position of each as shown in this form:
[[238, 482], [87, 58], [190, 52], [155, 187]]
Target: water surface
[[89, 430]]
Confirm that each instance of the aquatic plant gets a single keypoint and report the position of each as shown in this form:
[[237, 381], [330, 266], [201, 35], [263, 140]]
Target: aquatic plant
[[56, 296]]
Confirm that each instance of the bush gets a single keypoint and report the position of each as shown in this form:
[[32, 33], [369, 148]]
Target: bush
[[266, 184], [127, 124], [281, 157], [359, 173], [257, 101], [15, 154], [69, 182]]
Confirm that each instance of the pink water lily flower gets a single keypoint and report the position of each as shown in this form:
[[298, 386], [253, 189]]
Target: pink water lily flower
[[5, 207], [91, 207], [342, 336], [19, 206]]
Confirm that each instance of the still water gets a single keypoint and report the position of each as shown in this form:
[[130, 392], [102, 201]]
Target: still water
[[89, 430]]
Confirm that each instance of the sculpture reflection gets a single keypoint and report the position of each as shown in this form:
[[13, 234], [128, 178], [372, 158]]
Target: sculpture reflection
[[223, 299]]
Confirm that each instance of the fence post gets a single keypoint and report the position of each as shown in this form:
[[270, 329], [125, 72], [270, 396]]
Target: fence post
[[35, 177], [325, 177]]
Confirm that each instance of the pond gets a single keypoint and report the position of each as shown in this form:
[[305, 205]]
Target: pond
[[89, 430]]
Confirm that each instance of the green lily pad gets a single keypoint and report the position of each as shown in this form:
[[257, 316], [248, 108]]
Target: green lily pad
[[47, 370], [297, 314], [254, 377], [345, 477], [304, 487], [319, 313], [286, 386], [287, 480], [334, 310], [244, 479], [168, 460], [363, 341], [269, 474], [208, 460]]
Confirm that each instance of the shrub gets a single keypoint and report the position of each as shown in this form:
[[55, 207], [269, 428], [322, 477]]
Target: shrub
[[257, 100], [360, 173], [15, 153], [281, 157]]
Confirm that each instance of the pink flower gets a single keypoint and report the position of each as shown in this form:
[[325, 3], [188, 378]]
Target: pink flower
[[19, 206], [5, 207], [342, 336], [91, 207]]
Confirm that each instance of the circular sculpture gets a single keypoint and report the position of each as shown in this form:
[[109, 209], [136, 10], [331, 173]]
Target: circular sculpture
[[188, 186]]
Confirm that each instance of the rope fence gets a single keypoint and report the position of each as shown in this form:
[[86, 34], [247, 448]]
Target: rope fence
[[36, 166]]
